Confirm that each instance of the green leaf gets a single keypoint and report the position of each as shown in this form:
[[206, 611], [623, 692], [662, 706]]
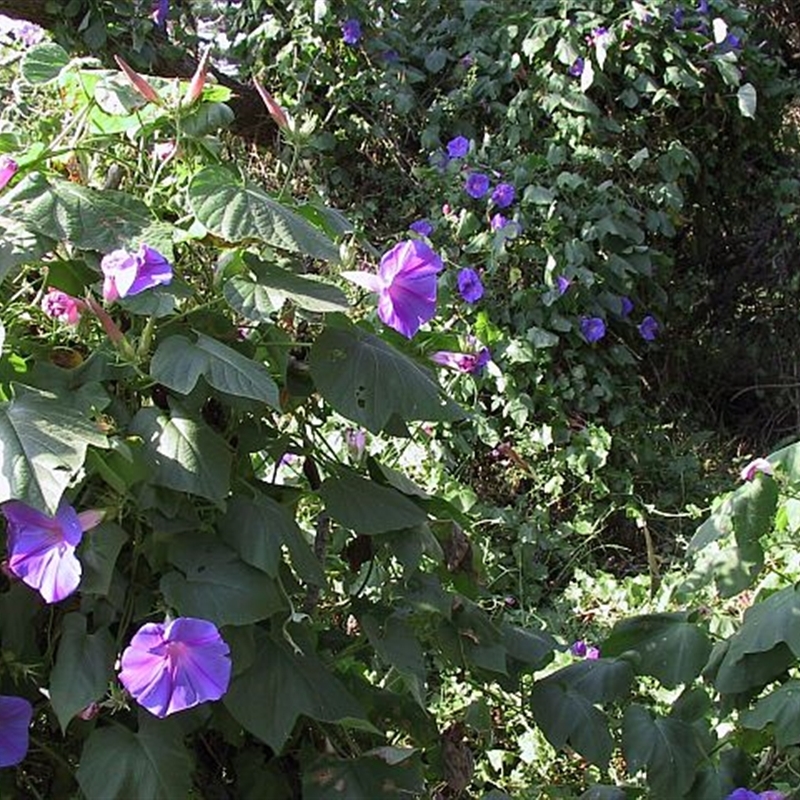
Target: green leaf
[[117, 764], [435, 60], [365, 778], [178, 363], [84, 666], [98, 554], [368, 381], [669, 647], [43, 63], [184, 454], [367, 507], [43, 445], [748, 99], [667, 748], [207, 118], [281, 685], [91, 219], [251, 300], [239, 211], [780, 708], [532, 648]]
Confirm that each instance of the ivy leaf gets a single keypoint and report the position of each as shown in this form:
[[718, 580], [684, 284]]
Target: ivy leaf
[[669, 647], [43, 445], [184, 454], [84, 665], [368, 381], [238, 211], [781, 708], [289, 684], [667, 748], [117, 764], [178, 364]]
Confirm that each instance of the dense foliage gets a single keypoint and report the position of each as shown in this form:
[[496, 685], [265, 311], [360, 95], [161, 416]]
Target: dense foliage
[[368, 464]]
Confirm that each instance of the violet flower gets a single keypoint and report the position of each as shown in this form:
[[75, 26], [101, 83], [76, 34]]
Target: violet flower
[[128, 274], [15, 719], [41, 549], [63, 307], [476, 185], [576, 70], [749, 471], [746, 794], [356, 441], [562, 284], [583, 650], [469, 285], [626, 306], [463, 362], [160, 13], [498, 222], [503, 195], [8, 168], [406, 285], [421, 226], [351, 31], [175, 665], [458, 147], [593, 329], [648, 328]]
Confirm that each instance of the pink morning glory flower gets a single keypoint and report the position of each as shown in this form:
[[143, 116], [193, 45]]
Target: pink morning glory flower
[[503, 195], [593, 329], [749, 471], [41, 549], [130, 273], [8, 168], [63, 307], [469, 285], [175, 665], [406, 285], [476, 185], [15, 719]]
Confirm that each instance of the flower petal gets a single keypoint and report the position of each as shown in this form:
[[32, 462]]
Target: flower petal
[[15, 719]]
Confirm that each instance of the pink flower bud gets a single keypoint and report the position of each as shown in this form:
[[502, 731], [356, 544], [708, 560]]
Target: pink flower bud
[[275, 111], [8, 168], [90, 712], [139, 83], [198, 79], [63, 307]]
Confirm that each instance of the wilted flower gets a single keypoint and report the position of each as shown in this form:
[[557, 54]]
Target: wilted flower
[[41, 549], [15, 719], [477, 185], [503, 195], [576, 70], [406, 285], [562, 284], [62, 307], [160, 13], [463, 362], [648, 328], [626, 306], [422, 226], [130, 273], [757, 465], [351, 31], [469, 285], [175, 665], [8, 168], [583, 650], [458, 147], [356, 440], [593, 329]]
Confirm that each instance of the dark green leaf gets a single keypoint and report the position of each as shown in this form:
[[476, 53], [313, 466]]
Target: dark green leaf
[[98, 553], [365, 778], [781, 708]]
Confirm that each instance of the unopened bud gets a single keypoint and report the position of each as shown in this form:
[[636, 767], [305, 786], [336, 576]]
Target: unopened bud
[[139, 83]]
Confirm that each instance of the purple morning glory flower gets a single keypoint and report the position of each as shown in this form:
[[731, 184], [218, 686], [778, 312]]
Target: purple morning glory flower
[[772, 794], [458, 147], [477, 184], [8, 168], [127, 273], [422, 226], [576, 70], [356, 441], [160, 13], [627, 306], [702, 8], [677, 18], [498, 222], [593, 329], [60, 306], [729, 43], [351, 31], [600, 37], [503, 195], [743, 794], [406, 285], [469, 285], [463, 362], [583, 650], [41, 549], [175, 665], [648, 328], [562, 284], [15, 719]]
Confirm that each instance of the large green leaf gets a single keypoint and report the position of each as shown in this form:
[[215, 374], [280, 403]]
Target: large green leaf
[[366, 778], [90, 219], [178, 363], [84, 666], [369, 382], [281, 685], [669, 647], [367, 507], [43, 445], [240, 211], [782, 709], [117, 764], [43, 62], [98, 554], [667, 748], [184, 454]]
